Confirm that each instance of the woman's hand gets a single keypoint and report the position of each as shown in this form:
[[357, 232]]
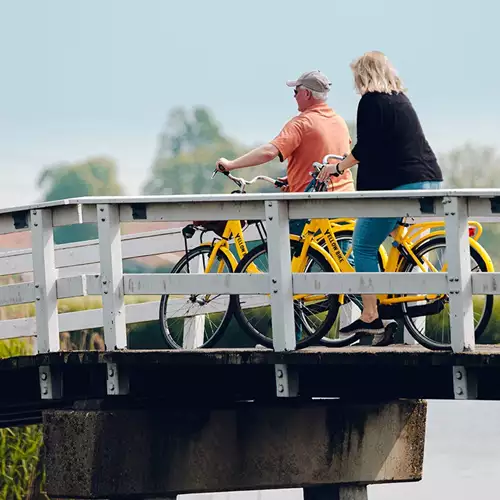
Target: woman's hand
[[285, 188], [329, 170]]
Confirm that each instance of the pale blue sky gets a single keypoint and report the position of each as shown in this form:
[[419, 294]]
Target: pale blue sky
[[86, 77]]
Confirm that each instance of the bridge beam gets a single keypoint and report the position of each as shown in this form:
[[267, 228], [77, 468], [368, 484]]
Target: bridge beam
[[163, 452]]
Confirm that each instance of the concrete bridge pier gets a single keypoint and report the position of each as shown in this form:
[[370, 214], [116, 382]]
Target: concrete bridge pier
[[324, 492], [330, 448], [336, 492]]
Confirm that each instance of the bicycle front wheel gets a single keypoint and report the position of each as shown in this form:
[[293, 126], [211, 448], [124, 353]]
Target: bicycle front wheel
[[314, 314], [196, 320], [351, 305], [432, 330]]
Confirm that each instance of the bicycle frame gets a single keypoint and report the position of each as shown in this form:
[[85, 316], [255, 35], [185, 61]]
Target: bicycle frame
[[405, 240]]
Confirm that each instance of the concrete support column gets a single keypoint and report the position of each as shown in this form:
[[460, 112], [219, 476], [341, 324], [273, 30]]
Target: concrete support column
[[336, 492], [163, 452]]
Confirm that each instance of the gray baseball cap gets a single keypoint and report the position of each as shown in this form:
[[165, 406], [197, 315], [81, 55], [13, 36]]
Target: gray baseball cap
[[312, 80]]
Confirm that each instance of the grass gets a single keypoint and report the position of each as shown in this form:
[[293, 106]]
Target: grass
[[21, 474]]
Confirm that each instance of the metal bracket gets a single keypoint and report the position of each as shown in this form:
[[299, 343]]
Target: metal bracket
[[287, 381], [139, 211], [20, 219], [51, 386], [427, 206], [464, 383], [495, 204], [117, 381]]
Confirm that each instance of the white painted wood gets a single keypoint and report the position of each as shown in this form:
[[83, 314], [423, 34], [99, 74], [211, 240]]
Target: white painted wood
[[485, 283], [92, 318], [67, 215], [79, 260], [51, 382], [19, 293], [110, 250], [303, 209], [194, 326], [83, 257], [44, 272], [369, 283], [155, 284], [459, 274], [280, 276], [117, 380], [7, 224], [235, 208], [464, 383]]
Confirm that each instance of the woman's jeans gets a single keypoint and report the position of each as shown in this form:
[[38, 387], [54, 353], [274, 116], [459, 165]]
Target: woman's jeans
[[371, 232]]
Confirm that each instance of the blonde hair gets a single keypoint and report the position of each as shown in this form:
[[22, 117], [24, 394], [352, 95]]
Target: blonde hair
[[374, 73]]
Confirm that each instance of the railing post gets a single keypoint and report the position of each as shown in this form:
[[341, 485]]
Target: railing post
[[459, 273], [45, 282], [280, 274], [113, 299]]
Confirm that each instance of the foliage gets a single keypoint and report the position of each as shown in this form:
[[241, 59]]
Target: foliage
[[188, 148], [95, 176], [19, 446], [470, 166]]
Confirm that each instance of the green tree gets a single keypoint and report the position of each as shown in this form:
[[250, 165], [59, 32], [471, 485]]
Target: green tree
[[470, 166], [92, 177], [188, 147]]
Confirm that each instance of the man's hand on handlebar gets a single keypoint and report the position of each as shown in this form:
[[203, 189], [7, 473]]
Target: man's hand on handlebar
[[223, 165]]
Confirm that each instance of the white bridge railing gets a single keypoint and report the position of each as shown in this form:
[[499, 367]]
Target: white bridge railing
[[95, 267]]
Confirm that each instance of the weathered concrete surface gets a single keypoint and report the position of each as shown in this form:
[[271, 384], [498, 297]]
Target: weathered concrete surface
[[158, 452], [334, 492]]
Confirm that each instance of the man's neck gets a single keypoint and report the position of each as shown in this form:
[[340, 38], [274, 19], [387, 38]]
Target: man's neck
[[315, 104]]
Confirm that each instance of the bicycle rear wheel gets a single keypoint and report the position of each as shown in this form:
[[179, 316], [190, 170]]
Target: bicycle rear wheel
[[314, 315], [433, 330], [196, 320]]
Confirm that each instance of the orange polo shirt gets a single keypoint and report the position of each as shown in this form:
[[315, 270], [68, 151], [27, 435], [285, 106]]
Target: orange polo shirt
[[307, 138]]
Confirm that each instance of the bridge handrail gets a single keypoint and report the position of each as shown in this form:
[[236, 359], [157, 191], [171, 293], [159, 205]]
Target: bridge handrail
[[454, 206]]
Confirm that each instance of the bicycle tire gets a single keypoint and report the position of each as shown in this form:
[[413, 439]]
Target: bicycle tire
[[164, 302], [248, 328], [328, 342], [482, 324]]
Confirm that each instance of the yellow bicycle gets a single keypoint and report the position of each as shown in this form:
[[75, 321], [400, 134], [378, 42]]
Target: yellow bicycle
[[199, 320], [417, 247]]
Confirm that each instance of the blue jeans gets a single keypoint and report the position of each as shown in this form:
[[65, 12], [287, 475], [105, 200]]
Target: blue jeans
[[370, 233]]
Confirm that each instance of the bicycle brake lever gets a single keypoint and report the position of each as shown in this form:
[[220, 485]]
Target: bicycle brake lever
[[223, 171]]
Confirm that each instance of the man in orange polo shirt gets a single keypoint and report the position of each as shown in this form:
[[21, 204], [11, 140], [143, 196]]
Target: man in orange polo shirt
[[306, 138]]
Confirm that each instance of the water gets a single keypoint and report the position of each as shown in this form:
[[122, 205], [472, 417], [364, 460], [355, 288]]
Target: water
[[462, 459]]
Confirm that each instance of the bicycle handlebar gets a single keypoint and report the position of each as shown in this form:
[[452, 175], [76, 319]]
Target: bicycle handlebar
[[243, 183]]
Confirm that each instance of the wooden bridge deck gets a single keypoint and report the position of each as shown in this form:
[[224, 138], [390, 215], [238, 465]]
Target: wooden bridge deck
[[224, 376]]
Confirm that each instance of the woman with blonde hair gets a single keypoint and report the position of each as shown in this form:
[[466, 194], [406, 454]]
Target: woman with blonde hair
[[391, 153]]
